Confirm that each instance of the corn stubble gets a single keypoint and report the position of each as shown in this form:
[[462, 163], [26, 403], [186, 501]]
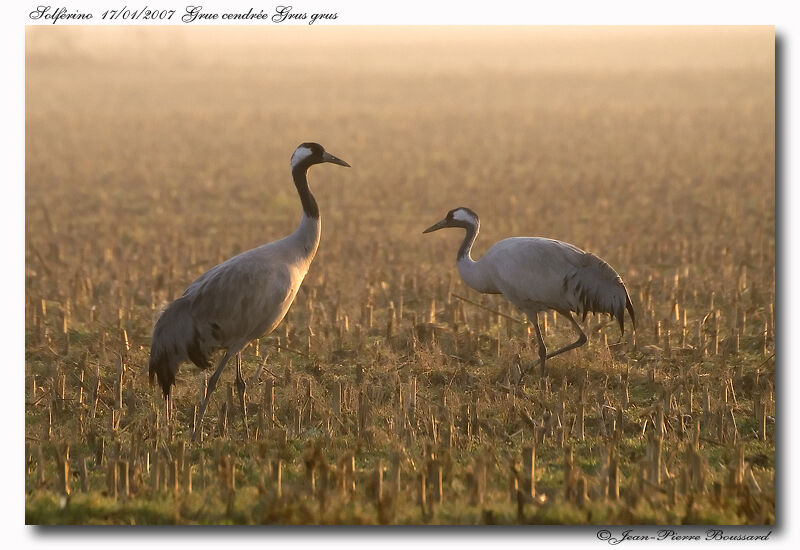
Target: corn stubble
[[392, 393]]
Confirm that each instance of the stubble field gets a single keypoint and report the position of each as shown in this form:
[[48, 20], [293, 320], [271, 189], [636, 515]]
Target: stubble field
[[384, 396]]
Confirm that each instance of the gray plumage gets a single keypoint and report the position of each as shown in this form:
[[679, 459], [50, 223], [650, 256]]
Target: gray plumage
[[536, 274], [231, 304], [241, 298]]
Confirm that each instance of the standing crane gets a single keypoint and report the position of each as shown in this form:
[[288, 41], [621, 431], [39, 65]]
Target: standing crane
[[240, 299], [536, 274]]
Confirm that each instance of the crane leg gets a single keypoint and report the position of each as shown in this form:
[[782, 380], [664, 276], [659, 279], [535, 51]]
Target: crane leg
[[540, 340], [241, 388], [212, 383], [576, 344]]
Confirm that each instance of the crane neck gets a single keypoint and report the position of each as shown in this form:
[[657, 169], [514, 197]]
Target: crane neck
[[308, 232], [299, 174], [465, 251], [473, 273]]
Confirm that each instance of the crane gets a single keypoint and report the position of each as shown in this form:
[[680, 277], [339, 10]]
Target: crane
[[536, 274], [240, 299]]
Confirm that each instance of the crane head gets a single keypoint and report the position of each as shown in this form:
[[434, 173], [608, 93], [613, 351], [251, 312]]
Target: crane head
[[458, 217], [308, 154]]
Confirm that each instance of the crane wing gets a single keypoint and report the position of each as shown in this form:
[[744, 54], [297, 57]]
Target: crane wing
[[242, 299], [540, 272], [532, 269]]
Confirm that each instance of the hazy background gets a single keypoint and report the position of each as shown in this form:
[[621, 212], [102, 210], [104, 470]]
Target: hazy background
[[590, 135]]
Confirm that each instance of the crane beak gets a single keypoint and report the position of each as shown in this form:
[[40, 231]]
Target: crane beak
[[437, 226], [327, 157]]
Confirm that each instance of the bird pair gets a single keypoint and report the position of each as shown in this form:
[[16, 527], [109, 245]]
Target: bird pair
[[248, 295]]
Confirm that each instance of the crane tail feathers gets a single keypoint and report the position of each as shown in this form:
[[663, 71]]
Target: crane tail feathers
[[160, 368], [629, 307], [596, 288], [620, 313], [175, 340]]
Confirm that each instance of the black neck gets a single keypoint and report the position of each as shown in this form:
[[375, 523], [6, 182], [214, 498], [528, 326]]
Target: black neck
[[469, 239], [301, 182]]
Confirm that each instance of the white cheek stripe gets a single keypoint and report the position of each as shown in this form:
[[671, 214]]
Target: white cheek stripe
[[463, 216], [300, 154]]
